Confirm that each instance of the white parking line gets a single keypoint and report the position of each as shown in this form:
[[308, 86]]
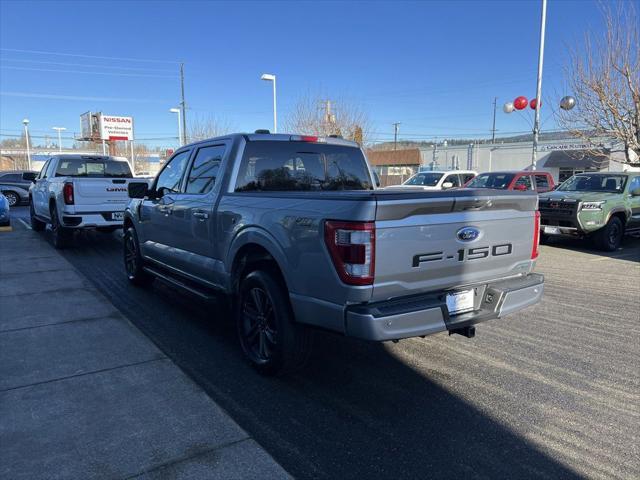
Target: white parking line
[[24, 223]]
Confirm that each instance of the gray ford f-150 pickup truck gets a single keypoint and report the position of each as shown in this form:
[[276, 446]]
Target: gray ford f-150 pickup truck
[[293, 228]]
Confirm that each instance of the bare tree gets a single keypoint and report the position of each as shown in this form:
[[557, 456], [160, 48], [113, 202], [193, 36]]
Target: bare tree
[[605, 80], [312, 115], [201, 128]]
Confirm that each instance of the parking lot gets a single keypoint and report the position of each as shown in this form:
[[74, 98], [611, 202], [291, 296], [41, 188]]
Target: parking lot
[[549, 393]]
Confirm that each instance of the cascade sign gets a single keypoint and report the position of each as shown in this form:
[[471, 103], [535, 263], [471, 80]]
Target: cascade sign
[[115, 128]]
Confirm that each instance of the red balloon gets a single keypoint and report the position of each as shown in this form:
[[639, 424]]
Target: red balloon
[[533, 103], [520, 103]]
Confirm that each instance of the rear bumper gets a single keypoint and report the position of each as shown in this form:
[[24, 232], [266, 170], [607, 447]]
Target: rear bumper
[[428, 314], [90, 220]]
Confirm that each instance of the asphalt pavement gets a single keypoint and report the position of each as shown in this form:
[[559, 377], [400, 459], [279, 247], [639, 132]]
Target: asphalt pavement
[[552, 392]]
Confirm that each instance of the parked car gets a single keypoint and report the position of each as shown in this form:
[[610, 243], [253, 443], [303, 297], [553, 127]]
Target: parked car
[[74, 192], [292, 228], [438, 180], [5, 219], [524, 180], [15, 195], [602, 206], [18, 178]]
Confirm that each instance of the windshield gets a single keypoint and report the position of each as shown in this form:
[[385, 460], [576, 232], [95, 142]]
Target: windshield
[[428, 179], [296, 166], [80, 167], [498, 181], [598, 182]]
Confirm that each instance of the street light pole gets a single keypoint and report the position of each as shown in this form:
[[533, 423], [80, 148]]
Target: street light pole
[[59, 129], [536, 123], [272, 78], [177, 110], [25, 122]]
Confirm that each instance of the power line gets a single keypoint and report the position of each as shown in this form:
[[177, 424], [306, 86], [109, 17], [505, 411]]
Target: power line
[[81, 98], [116, 74], [124, 59], [87, 65]]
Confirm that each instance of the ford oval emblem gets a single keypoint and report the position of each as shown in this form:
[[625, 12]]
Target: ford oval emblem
[[468, 234]]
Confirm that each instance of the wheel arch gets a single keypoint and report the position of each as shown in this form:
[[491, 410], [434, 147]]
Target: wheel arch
[[256, 247]]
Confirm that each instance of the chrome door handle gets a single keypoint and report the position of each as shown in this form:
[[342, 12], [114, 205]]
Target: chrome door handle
[[201, 215]]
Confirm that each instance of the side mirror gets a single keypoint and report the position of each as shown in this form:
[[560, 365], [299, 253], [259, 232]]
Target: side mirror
[[138, 189], [447, 185], [635, 192], [29, 176]]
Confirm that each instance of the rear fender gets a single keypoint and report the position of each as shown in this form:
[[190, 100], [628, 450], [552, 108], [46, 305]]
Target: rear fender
[[261, 237]]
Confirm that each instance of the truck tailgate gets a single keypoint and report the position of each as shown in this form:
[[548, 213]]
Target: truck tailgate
[[98, 194], [439, 240]]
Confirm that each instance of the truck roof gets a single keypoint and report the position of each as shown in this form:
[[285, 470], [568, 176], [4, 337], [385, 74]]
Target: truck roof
[[280, 137]]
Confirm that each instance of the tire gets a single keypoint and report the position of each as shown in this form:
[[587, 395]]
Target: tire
[[133, 262], [271, 340], [12, 197], [36, 225], [609, 237], [61, 236]]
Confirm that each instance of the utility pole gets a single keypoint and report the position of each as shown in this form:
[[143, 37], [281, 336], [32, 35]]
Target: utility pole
[[493, 130], [395, 135], [329, 118], [183, 106], [536, 123]]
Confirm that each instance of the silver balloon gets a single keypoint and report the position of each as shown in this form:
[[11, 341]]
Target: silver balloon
[[507, 107], [567, 103]]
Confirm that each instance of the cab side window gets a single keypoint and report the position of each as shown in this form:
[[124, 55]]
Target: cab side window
[[453, 178], [542, 183], [43, 171], [635, 184], [204, 170], [466, 177], [524, 180], [50, 168], [171, 175]]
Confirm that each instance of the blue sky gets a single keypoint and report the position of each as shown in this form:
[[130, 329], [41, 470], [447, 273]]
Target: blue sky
[[434, 66]]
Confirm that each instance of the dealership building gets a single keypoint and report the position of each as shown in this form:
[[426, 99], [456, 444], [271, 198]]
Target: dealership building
[[561, 158]]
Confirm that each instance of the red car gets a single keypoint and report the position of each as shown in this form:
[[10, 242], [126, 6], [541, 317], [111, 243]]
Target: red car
[[518, 180]]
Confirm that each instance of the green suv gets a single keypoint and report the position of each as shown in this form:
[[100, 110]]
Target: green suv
[[603, 206]]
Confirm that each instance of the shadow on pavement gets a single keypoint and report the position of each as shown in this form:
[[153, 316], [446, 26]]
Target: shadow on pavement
[[628, 251], [355, 412]]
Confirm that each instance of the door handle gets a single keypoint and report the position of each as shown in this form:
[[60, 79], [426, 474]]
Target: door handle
[[200, 215]]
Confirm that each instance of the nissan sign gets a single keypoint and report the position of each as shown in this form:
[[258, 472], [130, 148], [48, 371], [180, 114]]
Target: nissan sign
[[116, 128]]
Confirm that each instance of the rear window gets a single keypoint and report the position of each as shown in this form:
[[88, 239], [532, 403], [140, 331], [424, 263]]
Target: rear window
[[425, 179], [301, 166], [80, 167], [498, 181]]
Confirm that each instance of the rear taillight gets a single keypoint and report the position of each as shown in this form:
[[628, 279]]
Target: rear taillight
[[535, 251], [352, 246], [67, 193]]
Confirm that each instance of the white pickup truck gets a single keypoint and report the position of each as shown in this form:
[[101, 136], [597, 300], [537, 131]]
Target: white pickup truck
[[74, 192]]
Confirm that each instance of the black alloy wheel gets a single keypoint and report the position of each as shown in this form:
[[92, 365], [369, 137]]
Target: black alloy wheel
[[133, 263], [609, 237], [258, 325], [271, 339]]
